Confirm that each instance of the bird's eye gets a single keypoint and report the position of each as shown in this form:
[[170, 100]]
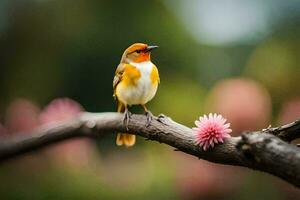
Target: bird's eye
[[138, 51]]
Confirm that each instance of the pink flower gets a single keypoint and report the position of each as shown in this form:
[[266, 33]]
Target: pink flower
[[3, 130], [211, 130], [244, 102], [290, 111], [21, 116], [77, 152], [59, 110]]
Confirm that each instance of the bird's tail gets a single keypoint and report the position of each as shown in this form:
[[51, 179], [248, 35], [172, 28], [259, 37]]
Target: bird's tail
[[123, 138]]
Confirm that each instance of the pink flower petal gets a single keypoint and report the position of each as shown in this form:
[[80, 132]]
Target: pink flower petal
[[211, 129]]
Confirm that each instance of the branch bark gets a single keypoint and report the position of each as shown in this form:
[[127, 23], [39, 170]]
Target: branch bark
[[256, 150], [288, 132]]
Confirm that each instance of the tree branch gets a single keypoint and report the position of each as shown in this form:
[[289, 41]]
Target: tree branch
[[257, 150], [288, 132]]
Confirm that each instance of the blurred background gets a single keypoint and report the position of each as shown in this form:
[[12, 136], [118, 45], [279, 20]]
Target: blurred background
[[238, 58]]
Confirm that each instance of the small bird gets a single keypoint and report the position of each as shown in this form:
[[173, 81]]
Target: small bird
[[135, 83]]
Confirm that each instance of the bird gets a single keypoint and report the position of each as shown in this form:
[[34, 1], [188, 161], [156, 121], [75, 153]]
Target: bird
[[135, 83]]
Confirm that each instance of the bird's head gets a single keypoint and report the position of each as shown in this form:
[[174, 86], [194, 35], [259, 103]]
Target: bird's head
[[138, 52]]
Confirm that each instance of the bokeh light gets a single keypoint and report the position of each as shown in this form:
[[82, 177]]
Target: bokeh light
[[245, 103]]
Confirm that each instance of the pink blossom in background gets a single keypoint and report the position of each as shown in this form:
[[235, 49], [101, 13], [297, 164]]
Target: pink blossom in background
[[60, 109], [21, 116], [211, 130], [3, 130], [199, 179], [290, 111], [244, 102], [73, 153]]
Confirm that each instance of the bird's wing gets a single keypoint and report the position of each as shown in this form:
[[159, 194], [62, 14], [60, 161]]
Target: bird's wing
[[118, 76], [155, 74]]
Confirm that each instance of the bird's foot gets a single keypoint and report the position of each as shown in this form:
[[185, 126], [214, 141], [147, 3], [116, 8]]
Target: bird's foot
[[127, 116], [149, 116]]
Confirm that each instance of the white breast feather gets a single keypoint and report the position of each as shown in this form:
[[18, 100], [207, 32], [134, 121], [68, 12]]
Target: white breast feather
[[144, 90]]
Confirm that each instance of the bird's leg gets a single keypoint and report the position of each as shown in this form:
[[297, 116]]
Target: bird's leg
[[126, 119], [148, 115]]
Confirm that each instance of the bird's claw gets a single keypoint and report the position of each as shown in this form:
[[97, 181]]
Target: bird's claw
[[127, 116], [149, 116]]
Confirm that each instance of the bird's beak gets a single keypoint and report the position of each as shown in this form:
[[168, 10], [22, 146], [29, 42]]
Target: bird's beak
[[150, 48]]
